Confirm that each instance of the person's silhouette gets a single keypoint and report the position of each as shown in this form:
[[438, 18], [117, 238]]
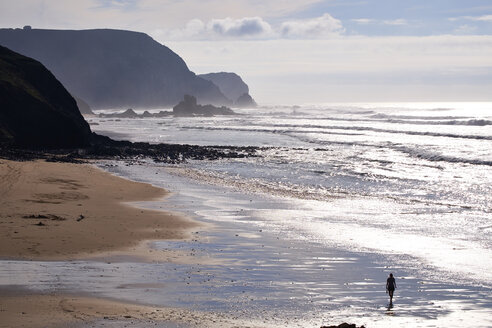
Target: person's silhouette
[[390, 287]]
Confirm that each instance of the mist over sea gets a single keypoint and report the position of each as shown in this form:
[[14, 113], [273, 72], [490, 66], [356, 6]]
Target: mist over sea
[[403, 188]]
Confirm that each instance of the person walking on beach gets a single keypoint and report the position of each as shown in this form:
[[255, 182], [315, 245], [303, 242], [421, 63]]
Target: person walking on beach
[[390, 286]]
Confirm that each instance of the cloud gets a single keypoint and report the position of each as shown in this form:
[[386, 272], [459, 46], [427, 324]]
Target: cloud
[[324, 26], [120, 4], [364, 21], [256, 28], [226, 28], [399, 21], [393, 22], [484, 18], [465, 29], [244, 27], [138, 15]]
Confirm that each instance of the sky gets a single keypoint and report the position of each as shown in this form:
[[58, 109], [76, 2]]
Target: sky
[[305, 51]]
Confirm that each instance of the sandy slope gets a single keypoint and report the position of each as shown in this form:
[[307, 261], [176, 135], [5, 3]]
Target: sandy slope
[[64, 211]]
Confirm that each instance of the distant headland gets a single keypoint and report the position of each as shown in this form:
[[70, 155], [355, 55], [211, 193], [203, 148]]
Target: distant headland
[[108, 68]]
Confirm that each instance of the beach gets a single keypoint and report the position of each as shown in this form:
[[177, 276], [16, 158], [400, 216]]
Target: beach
[[74, 237], [304, 234], [63, 212]]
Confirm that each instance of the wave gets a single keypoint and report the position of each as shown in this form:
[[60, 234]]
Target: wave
[[413, 117], [413, 152], [424, 120], [407, 132], [303, 191], [394, 119], [415, 120], [257, 185], [323, 130], [435, 157]]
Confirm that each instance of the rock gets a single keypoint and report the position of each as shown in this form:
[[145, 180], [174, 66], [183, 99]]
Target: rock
[[36, 111], [233, 87], [189, 107], [113, 68], [343, 325], [245, 100], [130, 113]]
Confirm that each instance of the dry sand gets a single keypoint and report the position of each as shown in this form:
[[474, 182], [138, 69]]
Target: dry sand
[[61, 211]]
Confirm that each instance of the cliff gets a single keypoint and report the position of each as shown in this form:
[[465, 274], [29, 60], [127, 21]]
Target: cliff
[[113, 68], [232, 86], [36, 111]]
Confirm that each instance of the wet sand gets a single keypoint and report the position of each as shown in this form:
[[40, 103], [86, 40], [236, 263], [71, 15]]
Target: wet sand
[[61, 211], [24, 309]]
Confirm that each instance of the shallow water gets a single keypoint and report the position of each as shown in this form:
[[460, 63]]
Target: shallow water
[[403, 178]]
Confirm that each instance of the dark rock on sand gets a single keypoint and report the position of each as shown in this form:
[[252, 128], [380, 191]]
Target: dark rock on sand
[[343, 325], [189, 107], [104, 147], [36, 111]]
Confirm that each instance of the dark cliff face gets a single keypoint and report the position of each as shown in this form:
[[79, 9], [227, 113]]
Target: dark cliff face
[[232, 86], [113, 68], [36, 111]]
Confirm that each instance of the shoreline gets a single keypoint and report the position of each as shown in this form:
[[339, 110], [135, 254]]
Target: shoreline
[[65, 211], [54, 194], [189, 287]]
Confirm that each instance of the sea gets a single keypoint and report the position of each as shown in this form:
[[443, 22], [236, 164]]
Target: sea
[[305, 233]]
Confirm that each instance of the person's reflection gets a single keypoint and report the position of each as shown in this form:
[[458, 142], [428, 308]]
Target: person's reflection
[[389, 309]]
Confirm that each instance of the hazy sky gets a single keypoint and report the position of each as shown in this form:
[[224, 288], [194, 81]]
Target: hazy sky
[[297, 51]]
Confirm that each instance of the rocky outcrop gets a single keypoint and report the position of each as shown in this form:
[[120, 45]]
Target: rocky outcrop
[[130, 113], [189, 107], [343, 325], [233, 87], [113, 68], [36, 111]]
